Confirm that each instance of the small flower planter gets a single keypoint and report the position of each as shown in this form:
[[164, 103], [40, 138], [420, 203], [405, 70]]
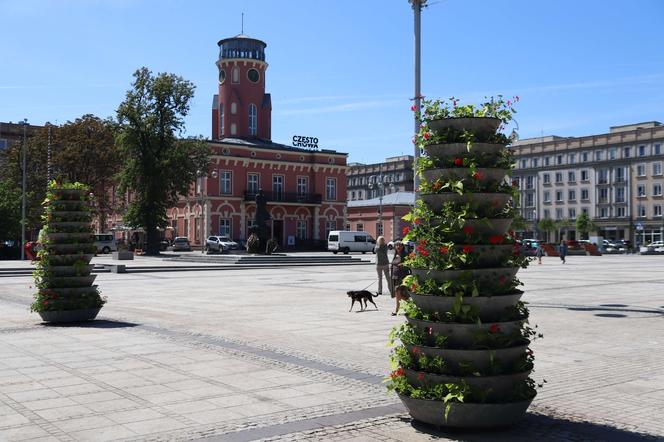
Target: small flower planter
[[489, 308], [482, 127], [496, 201], [479, 359], [484, 176], [484, 277], [462, 334], [460, 149], [66, 291]]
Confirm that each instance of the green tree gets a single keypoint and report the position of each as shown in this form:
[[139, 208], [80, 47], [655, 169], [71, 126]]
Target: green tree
[[547, 225], [584, 224], [85, 151], [158, 165], [10, 210]]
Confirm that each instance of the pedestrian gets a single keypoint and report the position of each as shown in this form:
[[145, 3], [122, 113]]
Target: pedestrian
[[382, 264], [397, 270], [562, 250], [401, 294], [539, 253]]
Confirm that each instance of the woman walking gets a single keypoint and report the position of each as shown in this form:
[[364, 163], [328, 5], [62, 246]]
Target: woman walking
[[398, 271], [382, 264], [562, 250]]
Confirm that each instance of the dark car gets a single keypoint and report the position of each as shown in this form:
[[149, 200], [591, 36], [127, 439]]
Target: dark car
[[181, 243]]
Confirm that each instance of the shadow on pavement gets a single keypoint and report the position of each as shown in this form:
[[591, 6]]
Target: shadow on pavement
[[539, 427], [98, 323]]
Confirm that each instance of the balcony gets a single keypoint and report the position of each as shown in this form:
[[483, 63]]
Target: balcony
[[287, 197]]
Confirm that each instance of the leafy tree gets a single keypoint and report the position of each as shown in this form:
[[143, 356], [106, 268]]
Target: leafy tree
[[562, 224], [547, 225], [157, 164], [85, 151], [10, 210], [584, 224]]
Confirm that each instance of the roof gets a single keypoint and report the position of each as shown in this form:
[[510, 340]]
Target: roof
[[242, 37], [267, 144], [391, 199]]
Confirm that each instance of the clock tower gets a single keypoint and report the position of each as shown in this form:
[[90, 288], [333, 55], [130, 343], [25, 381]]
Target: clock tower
[[241, 109]]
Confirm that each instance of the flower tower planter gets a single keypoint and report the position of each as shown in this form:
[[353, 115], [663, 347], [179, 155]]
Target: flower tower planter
[[66, 291], [462, 358]]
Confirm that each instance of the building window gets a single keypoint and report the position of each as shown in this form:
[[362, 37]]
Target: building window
[[352, 195], [547, 214], [612, 153], [656, 168], [603, 176], [572, 158], [620, 174], [620, 212], [571, 213], [535, 162], [584, 210], [253, 183], [523, 164], [657, 149], [559, 195], [657, 210], [331, 188], [530, 199], [603, 196], [278, 187], [598, 155], [253, 119], [571, 195], [571, 177], [225, 227], [584, 157], [197, 229], [221, 119], [559, 159], [641, 170], [657, 189], [174, 226], [546, 178], [303, 186], [379, 229], [642, 151], [584, 175], [584, 195], [603, 212], [641, 190], [330, 226], [559, 213], [233, 108], [236, 75], [547, 161], [547, 196], [233, 129], [620, 194], [226, 182], [641, 211], [185, 231], [627, 152], [360, 227], [530, 182], [559, 177], [301, 231]]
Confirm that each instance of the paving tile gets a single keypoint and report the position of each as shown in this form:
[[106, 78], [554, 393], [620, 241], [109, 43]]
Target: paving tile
[[83, 423], [48, 403], [154, 426], [112, 405], [34, 395], [95, 397], [112, 433], [60, 413], [23, 432], [10, 420], [214, 416], [142, 414]]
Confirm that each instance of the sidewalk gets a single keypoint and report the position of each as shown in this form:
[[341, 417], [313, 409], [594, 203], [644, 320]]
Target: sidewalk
[[274, 354]]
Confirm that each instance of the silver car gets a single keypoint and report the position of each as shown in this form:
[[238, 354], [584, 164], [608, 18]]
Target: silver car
[[181, 243], [214, 244]]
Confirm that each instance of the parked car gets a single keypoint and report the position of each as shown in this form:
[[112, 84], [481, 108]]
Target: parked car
[[164, 244], [229, 243], [105, 243], [181, 243], [613, 247], [220, 244], [347, 241]]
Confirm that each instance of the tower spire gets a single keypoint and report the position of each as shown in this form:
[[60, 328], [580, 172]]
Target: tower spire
[[242, 24]]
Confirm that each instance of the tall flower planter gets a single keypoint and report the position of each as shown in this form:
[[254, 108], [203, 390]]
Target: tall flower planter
[[463, 359], [66, 290]]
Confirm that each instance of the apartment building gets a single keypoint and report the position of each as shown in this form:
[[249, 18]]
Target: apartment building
[[367, 181], [616, 178]]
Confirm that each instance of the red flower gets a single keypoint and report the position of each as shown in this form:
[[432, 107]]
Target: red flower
[[458, 162], [424, 253], [467, 230], [45, 302], [443, 250], [420, 376], [406, 230], [397, 373], [413, 108], [467, 249], [416, 350], [477, 176], [496, 239], [426, 135], [417, 221], [494, 328], [413, 287]]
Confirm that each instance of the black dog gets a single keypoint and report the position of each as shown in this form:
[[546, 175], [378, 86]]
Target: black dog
[[359, 296]]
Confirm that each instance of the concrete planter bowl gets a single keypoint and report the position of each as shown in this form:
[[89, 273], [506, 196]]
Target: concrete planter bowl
[[466, 415], [488, 255], [459, 334], [487, 176], [72, 291], [70, 270], [69, 194], [484, 277], [68, 260], [61, 316], [461, 149], [490, 307], [71, 281], [85, 236], [485, 227], [497, 386], [496, 201], [71, 248], [58, 224], [481, 126], [479, 359]]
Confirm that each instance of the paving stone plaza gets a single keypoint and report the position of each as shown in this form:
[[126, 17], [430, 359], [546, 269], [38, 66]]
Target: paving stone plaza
[[274, 354]]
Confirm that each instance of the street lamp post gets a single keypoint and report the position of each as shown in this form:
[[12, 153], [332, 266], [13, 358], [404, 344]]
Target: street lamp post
[[202, 201], [417, 14], [379, 184], [535, 222], [23, 187]]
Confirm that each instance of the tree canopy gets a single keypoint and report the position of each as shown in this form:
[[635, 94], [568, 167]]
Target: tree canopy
[[158, 164]]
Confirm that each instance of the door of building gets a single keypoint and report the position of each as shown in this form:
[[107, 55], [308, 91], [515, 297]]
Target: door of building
[[278, 231]]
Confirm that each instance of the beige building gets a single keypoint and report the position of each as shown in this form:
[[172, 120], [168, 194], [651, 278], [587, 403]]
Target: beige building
[[367, 181], [616, 178]]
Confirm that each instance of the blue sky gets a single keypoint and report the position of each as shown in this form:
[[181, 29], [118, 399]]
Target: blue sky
[[342, 70]]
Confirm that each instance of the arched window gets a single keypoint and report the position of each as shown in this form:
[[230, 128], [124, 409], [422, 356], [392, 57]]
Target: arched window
[[233, 129], [233, 108], [221, 119], [236, 74], [253, 119]]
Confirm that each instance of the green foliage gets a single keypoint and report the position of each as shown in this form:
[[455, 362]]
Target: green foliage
[[584, 224], [10, 210], [253, 244], [158, 166], [492, 107]]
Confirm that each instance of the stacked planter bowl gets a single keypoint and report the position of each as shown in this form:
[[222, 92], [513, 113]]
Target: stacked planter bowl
[[499, 373], [66, 288]]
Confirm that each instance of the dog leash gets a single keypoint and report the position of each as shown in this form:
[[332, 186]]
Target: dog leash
[[369, 285]]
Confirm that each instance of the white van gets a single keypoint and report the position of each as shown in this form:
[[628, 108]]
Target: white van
[[105, 243], [348, 241]]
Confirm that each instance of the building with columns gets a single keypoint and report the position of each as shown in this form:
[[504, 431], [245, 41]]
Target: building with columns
[[616, 178], [305, 188]]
